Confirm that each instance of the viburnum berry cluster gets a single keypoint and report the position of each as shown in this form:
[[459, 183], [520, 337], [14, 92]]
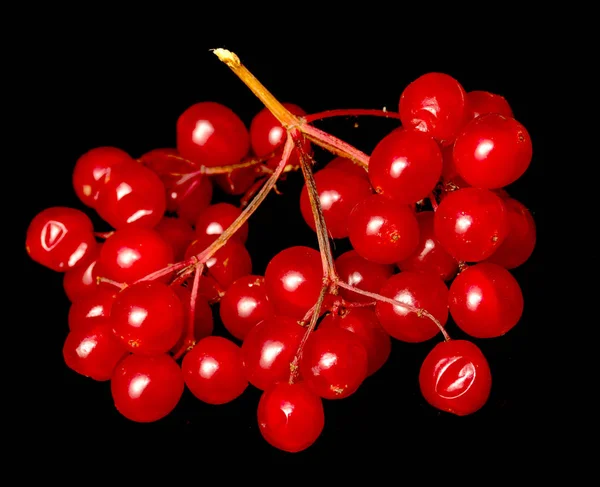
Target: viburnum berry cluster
[[429, 202]]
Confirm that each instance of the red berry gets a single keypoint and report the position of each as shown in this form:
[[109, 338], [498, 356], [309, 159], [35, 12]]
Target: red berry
[[91, 169], [421, 291], [203, 317], [471, 223], [191, 198], [80, 281], [177, 233], [244, 305], [211, 134], [334, 363], [362, 274], [405, 165], [455, 377], [60, 238], [383, 231], [492, 151], [213, 370], [434, 103], [485, 301], [269, 349], [448, 169], [238, 181], [215, 219], [364, 324], [520, 241], [132, 195], [348, 166], [483, 102], [132, 253], [93, 307], [93, 351], [147, 317], [290, 416], [293, 279], [146, 389], [430, 256]]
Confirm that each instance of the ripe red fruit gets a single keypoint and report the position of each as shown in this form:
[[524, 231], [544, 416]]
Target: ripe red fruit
[[203, 317], [93, 350], [455, 377], [471, 223], [383, 231], [485, 301], [492, 151], [147, 317], [346, 165], [405, 165], [293, 279], [244, 305], [91, 169], [483, 102], [211, 134], [269, 349], [434, 103], [425, 291], [146, 389], [178, 233], [215, 219], [362, 274], [213, 370], [132, 195], [339, 192], [290, 416], [60, 238], [238, 181], [80, 281], [92, 307]]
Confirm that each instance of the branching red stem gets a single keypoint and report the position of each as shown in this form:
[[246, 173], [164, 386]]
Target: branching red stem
[[354, 112], [189, 341]]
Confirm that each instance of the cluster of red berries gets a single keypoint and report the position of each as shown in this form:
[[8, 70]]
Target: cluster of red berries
[[135, 312]]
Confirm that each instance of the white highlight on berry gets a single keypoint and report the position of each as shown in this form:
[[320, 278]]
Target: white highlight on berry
[[127, 258], [276, 135], [137, 385], [202, 132], [483, 149], [245, 307], [52, 233], [123, 190], [138, 214], [86, 347], [95, 311], [292, 281], [269, 353], [406, 298], [208, 367], [463, 224], [214, 228], [474, 297], [78, 254], [374, 225], [328, 198], [137, 316], [398, 166]]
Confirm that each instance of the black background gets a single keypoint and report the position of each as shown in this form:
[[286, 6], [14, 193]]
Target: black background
[[127, 90]]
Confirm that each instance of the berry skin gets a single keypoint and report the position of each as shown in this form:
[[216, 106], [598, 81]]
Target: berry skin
[[293, 279], [146, 389], [178, 233], [290, 416], [244, 305], [213, 370], [147, 317], [485, 301], [434, 103], [215, 219], [203, 317], [238, 181], [483, 102], [383, 231], [91, 169], [405, 165], [339, 192], [430, 256], [334, 363], [94, 306], [424, 291], [93, 351], [492, 151], [80, 281], [471, 223], [346, 165], [455, 377], [211, 134], [364, 324], [132, 195], [132, 253], [269, 349], [60, 238], [362, 274]]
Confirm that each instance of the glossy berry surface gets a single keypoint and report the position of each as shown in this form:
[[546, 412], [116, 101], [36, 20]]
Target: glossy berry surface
[[483, 102], [339, 192], [293, 280], [485, 301], [91, 170], [147, 317], [178, 233], [203, 317], [334, 363], [238, 181], [269, 349], [362, 274], [471, 224], [425, 291], [364, 324], [244, 305], [60, 238], [346, 165], [211, 134], [455, 377], [434, 103], [146, 389], [215, 219], [492, 151], [405, 165], [290, 416], [95, 305], [213, 370], [430, 256], [80, 281], [383, 231]]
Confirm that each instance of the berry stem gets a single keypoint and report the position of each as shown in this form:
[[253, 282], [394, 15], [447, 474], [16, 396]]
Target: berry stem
[[103, 235], [190, 340], [120, 285], [355, 112], [210, 171], [334, 145]]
